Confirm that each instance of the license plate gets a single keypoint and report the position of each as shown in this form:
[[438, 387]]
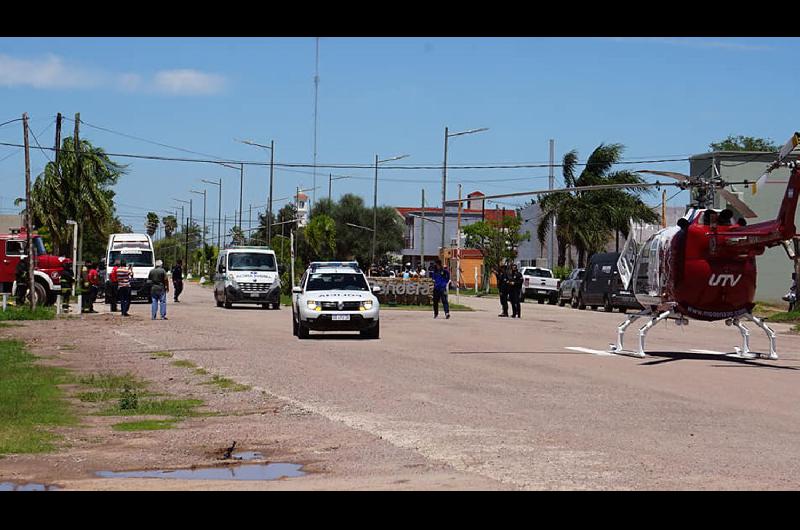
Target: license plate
[[340, 317], [133, 293], [543, 292], [251, 294]]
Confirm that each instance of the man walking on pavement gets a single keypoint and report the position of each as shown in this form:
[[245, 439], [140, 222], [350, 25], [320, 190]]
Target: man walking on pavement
[[159, 286], [514, 290], [21, 275], [441, 283], [502, 286], [124, 287], [177, 280]]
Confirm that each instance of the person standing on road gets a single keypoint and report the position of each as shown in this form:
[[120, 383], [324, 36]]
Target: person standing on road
[[124, 287], [21, 275], [177, 280], [67, 279], [441, 282], [94, 283], [514, 290], [159, 287], [85, 288], [502, 286], [112, 291]]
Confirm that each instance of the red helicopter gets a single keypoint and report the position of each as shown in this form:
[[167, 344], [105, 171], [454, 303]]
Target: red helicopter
[[705, 267]]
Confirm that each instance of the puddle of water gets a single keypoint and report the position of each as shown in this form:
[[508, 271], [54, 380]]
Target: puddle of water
[[243, 472], [32, 486], [248, 455]]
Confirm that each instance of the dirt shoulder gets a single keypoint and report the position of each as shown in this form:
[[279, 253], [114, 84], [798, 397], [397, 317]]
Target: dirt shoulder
[[333, 455]]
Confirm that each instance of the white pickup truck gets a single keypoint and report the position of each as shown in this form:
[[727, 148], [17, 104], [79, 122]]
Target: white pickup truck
[[539, 283]]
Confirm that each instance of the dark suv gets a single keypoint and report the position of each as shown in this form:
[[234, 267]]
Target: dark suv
[[602, 286]]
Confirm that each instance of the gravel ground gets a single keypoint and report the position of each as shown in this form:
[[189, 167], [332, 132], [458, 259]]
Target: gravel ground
[[474, 402]]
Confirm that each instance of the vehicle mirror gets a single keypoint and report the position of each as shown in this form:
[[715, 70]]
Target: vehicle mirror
[[376, 289], [297, 289]]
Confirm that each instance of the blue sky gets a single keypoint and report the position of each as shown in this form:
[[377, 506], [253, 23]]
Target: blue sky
[[660, 97]]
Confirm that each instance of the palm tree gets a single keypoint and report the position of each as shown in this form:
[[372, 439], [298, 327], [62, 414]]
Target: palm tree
[[77, 188], [151, 223], [587, 219], [170, 225]]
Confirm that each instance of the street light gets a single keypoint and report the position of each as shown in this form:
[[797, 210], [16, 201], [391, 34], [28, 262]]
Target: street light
[[271, 148], [241, 185], [331, 178], [219, 212], [359, 226], [203, 193], [448, 134], [186, 229], [375, 202]]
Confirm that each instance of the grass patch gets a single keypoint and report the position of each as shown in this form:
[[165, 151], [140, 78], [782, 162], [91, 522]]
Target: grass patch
[[227, 384], [184, 364], [144, 425], [25, 313], [9, 325], [201, 371], [783, 316], [415, 307], [111, 382], [30, 401], [163, 354], [179, 408], [286, 299], [764, 310]]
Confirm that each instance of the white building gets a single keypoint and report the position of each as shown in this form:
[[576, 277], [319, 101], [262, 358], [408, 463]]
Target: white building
[[301, 202]]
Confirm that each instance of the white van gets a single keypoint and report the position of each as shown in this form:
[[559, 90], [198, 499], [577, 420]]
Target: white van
[[247, 275], [136, 250]]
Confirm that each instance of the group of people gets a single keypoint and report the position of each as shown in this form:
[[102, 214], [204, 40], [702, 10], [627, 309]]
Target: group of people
[[509, 283], [119, 287], [406, 273]]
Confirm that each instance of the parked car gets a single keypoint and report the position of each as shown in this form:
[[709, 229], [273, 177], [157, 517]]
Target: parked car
[[539, 283], [601, 286], [568, 292]]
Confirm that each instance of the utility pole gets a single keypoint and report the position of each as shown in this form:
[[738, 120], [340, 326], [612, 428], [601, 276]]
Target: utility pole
[[58, 139], [458, 249], [330, 180], [444, 186], [250, 221], [374, 213], [422, 233], [241, 184], [78, 169], [663, 208], [28, 222], [316, 91], [271, 173], [551, 183]]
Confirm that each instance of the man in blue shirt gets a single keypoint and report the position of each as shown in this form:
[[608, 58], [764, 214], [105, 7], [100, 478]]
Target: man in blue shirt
[[441, 282]]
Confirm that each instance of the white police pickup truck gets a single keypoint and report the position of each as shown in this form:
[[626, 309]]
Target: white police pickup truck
[[540, 284], [335, 296]]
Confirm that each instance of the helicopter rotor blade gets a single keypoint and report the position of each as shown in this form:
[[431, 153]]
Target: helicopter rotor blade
[[787, 148], [737, 203], [671, 174]]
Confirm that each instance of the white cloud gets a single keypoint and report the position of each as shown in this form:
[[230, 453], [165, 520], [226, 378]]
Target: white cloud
[[49, 72], [695, 43], [188, 82], [53, 72]]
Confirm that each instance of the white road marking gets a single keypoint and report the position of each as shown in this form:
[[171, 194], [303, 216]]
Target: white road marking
[[587, 350]]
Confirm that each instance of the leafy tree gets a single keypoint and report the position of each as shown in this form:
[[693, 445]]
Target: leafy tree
[[497, 239], [743, 143], [237, 235], [320, 233], [587, 219], [78, 188], [170, 225], [151, 223]]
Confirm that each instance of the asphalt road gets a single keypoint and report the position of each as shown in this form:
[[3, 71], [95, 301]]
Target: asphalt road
[[527, 403]]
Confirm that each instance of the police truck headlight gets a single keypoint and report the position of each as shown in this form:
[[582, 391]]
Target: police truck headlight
[[313, 305], [366, 305]]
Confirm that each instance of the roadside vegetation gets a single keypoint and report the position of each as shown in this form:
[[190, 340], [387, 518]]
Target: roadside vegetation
[[222, 382], [25, 313], [31, 401]]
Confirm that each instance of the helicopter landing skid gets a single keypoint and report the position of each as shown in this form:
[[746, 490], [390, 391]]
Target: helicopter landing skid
[[653, 320], [744, 351]]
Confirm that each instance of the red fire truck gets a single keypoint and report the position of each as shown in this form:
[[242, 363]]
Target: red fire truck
[[47, 268]]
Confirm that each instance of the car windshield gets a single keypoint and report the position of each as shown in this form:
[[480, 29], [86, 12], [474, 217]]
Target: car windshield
[[538, 273], [336, 281], [251, 261], [138, 258]]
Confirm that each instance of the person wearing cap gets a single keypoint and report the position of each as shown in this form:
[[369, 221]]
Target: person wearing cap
[[159, 286]]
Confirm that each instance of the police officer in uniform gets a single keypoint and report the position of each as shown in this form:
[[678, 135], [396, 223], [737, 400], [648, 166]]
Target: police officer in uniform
[[67, 279], [514, 290], [502, 286], [21, 275]]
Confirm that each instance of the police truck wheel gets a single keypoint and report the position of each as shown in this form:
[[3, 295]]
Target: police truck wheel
[[302, 331], [373, 333], [219, 304], [294, 326], [228, 305]]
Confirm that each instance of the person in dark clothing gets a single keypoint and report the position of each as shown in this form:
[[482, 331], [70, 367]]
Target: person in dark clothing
[[67, 280], [514, 290], [21, 275], [502, 286], [177, 280], [124, 275], [441, 282]]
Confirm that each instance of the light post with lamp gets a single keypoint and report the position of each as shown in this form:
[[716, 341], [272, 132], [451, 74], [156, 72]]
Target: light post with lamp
[[375, 203], [219, 211], [271, 148]]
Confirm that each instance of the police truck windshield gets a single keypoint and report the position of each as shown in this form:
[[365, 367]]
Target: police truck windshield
[[320, 281], [251, 261], [139, 258]]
